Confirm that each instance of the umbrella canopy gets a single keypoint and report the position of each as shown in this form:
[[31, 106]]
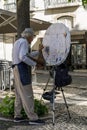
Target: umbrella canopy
[[8, 23]]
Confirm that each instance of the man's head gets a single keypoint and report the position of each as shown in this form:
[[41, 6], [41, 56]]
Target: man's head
[[28, 33]]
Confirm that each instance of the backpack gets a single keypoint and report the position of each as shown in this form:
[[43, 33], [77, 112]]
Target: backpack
[[62, 78]]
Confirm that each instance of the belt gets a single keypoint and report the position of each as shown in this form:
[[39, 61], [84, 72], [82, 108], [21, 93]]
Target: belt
[[13, 66]]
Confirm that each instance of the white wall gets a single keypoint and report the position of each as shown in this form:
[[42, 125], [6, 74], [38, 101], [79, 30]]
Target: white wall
[[1, 4], [1, 51], [6, 51], [81, 18], [39, 4]]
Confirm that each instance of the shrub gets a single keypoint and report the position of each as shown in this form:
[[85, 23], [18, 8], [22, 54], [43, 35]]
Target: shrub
[[7, 107]]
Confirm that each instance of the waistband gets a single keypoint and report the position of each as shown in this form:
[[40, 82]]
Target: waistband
[[13, 66]]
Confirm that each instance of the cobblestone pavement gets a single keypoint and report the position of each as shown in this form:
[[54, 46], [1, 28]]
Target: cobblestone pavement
[[76, 96]]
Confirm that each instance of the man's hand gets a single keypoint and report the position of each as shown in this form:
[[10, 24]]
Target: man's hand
[[38, 61], [40, 47]]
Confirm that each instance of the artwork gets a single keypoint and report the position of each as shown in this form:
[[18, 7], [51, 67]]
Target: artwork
[[56, 44]]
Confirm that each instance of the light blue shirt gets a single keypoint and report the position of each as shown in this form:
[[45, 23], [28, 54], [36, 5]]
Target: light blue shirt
[[20, 51]]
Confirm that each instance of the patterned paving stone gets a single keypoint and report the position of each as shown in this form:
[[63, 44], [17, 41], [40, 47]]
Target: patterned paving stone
[[76, 96]]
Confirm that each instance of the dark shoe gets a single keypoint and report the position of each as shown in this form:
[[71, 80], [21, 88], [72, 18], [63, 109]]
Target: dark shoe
[[19, 119], [36, 122]]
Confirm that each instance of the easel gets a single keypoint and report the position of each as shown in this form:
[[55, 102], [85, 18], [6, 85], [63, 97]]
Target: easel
[[53, 94]]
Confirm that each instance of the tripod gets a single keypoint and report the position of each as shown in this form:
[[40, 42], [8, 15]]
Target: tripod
[[51, 95]]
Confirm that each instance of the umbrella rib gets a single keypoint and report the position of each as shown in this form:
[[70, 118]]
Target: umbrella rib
[[8, 21]]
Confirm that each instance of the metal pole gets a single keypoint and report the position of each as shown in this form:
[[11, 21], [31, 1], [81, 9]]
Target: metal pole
[[54, 95]]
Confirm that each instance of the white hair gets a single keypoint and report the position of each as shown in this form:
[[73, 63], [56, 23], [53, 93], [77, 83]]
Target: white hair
[[28, 32]]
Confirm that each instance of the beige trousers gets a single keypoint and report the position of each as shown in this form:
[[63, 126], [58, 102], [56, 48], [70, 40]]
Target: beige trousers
[[23, 98]]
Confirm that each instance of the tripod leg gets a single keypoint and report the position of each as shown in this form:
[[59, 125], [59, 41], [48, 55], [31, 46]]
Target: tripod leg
[[46, 86], [66, 104], [47, 83], [53, 106], [54, 96]]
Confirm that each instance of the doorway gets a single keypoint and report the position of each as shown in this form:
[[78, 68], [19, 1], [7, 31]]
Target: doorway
[[78, 55]]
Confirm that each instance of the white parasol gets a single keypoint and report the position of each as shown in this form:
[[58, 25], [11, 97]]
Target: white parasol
[[56, 44]]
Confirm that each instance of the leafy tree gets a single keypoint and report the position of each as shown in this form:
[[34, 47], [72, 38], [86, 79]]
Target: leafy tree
[[84, 2]]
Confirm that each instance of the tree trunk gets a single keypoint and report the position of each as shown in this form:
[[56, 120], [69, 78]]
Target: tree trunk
[[23, 16], [86, 47]]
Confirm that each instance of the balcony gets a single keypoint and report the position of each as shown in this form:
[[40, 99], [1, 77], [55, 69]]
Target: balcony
[[50, 4], [47, 4], [10, 7]]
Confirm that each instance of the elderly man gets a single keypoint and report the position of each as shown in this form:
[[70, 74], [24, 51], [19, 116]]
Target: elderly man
[[22, 62]]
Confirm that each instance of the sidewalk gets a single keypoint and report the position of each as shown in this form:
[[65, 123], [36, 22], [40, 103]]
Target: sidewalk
[[76, 96], [79, 72]]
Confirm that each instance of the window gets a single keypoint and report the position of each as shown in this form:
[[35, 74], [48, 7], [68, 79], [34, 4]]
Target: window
[[78, 54], [67, 20]]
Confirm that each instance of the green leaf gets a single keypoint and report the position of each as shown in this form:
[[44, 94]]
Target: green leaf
[[7, 107]]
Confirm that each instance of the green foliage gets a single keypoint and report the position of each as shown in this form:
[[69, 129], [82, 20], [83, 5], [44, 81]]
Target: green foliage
[[7, 107], [84, 2], [40, 108], [69, 0]]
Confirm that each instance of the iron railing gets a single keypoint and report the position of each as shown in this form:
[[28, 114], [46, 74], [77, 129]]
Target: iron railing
[[57, 3], [10, 6], [47, 4]]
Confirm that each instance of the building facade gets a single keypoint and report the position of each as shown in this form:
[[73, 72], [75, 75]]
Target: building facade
[[74, 15], [70, 12]]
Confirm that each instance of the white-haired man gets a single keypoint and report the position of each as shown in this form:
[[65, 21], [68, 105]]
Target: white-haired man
[[22, 63]]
